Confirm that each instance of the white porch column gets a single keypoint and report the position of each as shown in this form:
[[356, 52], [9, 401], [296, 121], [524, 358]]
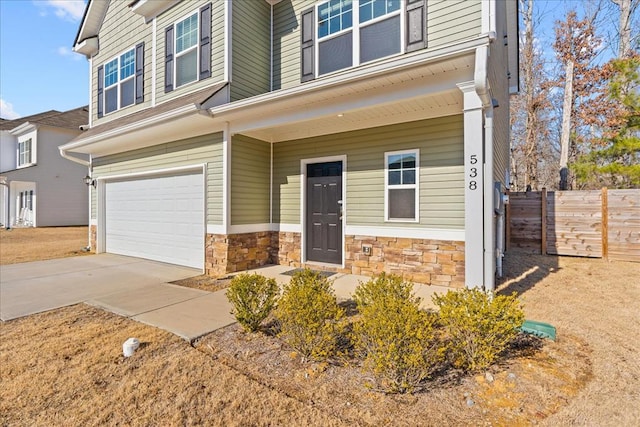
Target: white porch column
[[473, 187]]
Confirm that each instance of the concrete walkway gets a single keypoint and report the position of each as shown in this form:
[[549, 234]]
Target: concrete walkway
[[138, 289]]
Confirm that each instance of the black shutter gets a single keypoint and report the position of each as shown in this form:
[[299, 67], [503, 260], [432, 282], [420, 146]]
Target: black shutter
[[140, 73], [416, 25], [205, 42], [168, 59], [307, 42], [100, 91]]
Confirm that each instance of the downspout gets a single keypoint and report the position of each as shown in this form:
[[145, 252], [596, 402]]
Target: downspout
[[271, 52], [481, 84]]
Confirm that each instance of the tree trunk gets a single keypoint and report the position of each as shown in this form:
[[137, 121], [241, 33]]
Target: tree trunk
[[567, 107], [624, 48]]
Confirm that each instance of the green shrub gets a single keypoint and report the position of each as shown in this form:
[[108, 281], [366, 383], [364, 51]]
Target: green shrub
[[310, 319], [478, 327], [398, 340], [253, 297]]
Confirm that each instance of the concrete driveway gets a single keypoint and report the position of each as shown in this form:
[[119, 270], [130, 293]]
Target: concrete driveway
[[131, 287]]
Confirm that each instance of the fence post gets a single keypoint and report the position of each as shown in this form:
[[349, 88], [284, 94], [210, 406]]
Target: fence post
[[543, 231], [605, 223]]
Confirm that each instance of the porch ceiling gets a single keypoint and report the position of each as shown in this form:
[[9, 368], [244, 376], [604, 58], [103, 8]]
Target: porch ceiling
[[426, 91]]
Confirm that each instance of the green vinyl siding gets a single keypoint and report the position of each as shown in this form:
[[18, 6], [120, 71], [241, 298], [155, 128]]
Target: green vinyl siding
[[205, 149], [250, 178], [286, 42], [448, 21], [251, 62], [440, 142], [121, 31], [178, 12]]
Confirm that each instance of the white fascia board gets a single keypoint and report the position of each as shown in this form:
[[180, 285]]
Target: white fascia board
[[393, 65], [23, 128], [169, 115], [93, 20], [149, 9], [87, 47]]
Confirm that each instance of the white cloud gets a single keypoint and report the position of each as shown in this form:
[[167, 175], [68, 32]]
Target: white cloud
[[69, 10], [6, 110], [66, 52]]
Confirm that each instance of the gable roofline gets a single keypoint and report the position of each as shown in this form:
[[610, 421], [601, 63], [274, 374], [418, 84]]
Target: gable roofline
[[91, 23], [70, 119], [11, 124]]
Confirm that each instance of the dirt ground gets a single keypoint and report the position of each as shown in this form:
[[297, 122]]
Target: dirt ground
[[66, 367], [35, 244]]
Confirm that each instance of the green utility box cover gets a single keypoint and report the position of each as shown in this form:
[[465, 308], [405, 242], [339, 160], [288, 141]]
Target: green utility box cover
[[539, 329]]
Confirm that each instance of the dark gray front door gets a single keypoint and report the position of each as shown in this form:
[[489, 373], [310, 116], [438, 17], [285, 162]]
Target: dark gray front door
[[324, 212]]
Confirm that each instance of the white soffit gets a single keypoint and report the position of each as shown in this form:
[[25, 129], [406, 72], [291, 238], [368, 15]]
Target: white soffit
[[420, 93]]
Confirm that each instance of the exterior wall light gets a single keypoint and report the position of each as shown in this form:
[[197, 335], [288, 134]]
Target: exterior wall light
[[89, 181]]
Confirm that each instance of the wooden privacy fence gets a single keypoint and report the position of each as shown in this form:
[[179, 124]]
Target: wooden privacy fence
[[596, 223]]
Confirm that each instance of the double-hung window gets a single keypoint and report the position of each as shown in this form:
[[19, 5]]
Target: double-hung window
[[25, 153], [119, 81], [187, 50], [352, 32], [187, 56], [402, 170]]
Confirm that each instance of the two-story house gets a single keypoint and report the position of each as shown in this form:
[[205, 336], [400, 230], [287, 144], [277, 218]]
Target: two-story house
[[358, 136], [39, 188]]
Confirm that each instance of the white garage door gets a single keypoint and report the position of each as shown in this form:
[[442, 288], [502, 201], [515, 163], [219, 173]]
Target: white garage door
[[158, 218]]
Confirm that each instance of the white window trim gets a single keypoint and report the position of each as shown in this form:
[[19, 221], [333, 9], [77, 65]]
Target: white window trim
[[32, 153], [119, 82], [355, 28], [184, 52], [415, 186]]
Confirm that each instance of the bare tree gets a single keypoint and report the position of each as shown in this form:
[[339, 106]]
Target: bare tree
[[528, 108], [627, 10], [575, 47]]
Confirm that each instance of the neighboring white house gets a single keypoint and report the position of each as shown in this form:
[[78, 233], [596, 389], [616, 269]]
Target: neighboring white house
[[38, 187]]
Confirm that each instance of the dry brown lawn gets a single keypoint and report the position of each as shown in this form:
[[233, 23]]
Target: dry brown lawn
[[65, 367], [36, 244]]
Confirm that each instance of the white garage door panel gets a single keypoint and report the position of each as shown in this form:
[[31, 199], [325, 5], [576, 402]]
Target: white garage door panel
[[159, 218]]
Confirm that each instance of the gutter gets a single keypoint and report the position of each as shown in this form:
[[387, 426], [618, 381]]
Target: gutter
[[65, 155], [169, 115]]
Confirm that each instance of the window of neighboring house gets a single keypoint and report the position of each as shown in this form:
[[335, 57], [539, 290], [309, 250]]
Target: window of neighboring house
[[188, 49], [351, 33], [25, 153], [119, 82], [402, 185]]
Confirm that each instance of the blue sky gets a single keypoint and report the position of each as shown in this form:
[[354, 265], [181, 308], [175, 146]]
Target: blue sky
[[38, 69]]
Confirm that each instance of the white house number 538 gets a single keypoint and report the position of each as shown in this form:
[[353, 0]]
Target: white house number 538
[[473, 184]]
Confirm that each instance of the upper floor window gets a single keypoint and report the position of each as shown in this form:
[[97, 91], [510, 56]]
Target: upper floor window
[[25, 153], [121, 81], [402, 185], [339, 34], [188, 49], [350, 34]]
